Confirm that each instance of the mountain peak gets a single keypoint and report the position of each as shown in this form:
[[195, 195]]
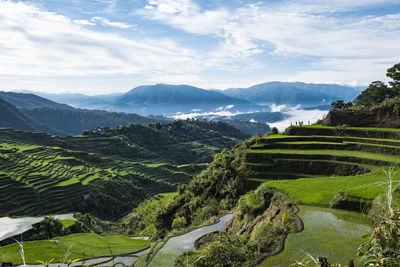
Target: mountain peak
[[176, 94]]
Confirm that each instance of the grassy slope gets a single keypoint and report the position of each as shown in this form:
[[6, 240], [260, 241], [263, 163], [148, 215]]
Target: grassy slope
[[80, 246], [147, 209]]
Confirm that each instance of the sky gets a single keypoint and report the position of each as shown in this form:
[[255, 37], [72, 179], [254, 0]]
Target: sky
[[109, 46]]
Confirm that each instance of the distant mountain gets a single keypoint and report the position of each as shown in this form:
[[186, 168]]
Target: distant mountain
[[176, 94], [75, 121], [81, 100], [22, 100], [294, 93]]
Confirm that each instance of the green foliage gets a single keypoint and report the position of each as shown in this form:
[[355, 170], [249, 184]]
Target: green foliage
[[266, 236], [220, 181], [341, 105], [226, 251], [375, 94], [394, 73], [140, 220], [48, 228], [378, 92], [274, 130], [338, 104], [179, 222], [382, 246]]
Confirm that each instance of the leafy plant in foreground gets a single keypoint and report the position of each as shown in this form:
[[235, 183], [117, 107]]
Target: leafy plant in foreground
[[382, 247]]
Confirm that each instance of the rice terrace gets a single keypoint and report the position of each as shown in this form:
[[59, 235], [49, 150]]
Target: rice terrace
[[177, 133]]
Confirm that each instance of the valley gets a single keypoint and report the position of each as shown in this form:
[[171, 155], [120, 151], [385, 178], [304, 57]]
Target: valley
[[197, 192]]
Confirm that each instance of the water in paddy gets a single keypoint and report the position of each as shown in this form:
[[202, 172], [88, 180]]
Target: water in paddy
[[335, 234], [10, 227], [179, 244]]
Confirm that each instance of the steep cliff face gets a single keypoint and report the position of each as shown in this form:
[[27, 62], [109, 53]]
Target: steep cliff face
[[377, 117]]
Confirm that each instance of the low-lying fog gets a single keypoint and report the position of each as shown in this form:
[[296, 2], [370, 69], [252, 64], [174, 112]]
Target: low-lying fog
[[289, 115]]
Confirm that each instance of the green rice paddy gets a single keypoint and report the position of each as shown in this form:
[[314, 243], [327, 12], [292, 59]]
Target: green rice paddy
[[75, 246]]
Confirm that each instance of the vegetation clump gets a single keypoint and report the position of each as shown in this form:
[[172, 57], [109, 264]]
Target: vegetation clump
[[257, 229]]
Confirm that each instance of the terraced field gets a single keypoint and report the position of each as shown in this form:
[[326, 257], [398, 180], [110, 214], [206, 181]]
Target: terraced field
[[312, 164], [106, 172]]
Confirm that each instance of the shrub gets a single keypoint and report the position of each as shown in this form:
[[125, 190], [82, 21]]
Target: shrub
[[382, 246], [179, 222]]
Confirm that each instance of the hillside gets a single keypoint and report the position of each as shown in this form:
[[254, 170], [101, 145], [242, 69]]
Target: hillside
[[11, 117], [21, 100], [293, 93], [75, 121], [106, 171]]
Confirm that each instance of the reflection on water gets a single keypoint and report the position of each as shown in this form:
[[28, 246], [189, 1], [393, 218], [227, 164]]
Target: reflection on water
[[335, 234]]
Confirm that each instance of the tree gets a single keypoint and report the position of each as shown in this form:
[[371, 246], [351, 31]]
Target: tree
[[338, 104], [394, 73], [375, 94]]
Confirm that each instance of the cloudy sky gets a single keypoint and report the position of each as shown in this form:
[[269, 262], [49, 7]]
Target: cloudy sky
[[106, 46]]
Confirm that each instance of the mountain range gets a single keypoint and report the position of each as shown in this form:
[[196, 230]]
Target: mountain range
[[294, 93], [245, 108], [168, 99]]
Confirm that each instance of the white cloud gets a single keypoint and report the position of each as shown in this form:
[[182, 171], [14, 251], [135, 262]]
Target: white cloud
[[37, 42], [111, 23], [294, 28], [83, 22]]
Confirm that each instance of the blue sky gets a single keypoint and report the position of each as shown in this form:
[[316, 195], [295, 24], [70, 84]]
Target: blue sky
[[107, 46]]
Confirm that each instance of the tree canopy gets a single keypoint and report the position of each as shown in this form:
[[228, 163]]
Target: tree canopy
[[377, 91], [375, 94]]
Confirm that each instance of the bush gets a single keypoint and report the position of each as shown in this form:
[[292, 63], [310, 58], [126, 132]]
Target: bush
[[179, 222], [226, 251]]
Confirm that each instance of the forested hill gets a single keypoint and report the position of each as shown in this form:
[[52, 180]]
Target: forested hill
[[21, 100], [75, 121], [11, 117]]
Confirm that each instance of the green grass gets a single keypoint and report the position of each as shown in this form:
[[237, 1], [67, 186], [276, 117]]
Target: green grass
[[147, 209], [81, 246], [67, 223], [288, 137], [347, 153], [319, 191], [351, 128]]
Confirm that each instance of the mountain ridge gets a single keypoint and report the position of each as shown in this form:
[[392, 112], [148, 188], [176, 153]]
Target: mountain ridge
[[24, 100], [175, 94], [293, 93]]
